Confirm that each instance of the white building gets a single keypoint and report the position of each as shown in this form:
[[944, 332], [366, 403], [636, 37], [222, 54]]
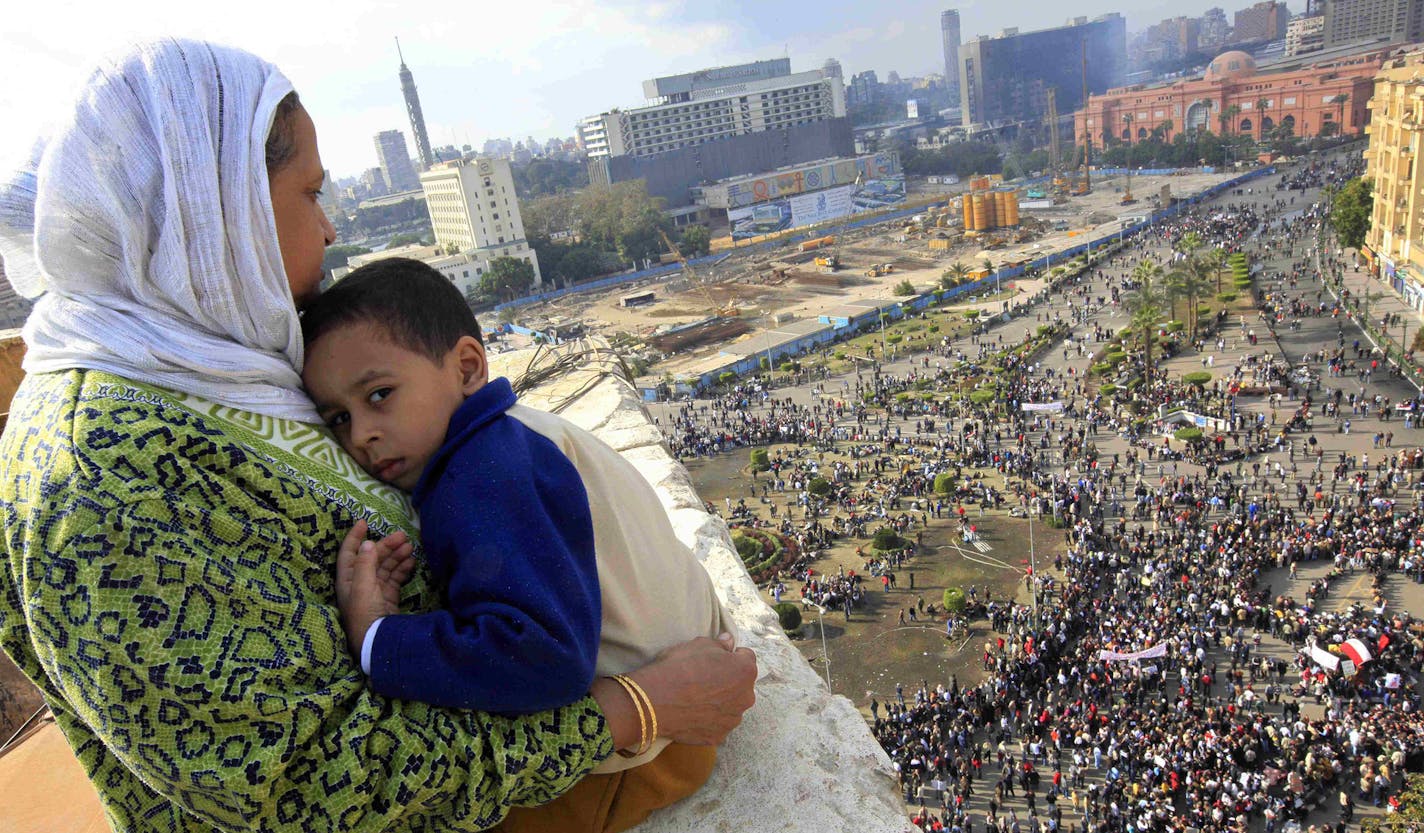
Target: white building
[[475, 216], [714, 104], [474, 211]]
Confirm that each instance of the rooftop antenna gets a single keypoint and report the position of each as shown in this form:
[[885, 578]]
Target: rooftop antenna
[[398, 52]]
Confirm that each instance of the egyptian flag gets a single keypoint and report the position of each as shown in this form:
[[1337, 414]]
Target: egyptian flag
[[1357, 651]]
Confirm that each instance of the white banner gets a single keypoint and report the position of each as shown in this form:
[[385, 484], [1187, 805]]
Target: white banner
[[1149, 653], [1053, 407]]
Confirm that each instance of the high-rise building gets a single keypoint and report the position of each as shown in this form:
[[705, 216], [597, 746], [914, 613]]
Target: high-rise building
[[412, 108], [1305, 34], [864, 89], [395, 161], [1394, 21], [1006, 79], [1214, 30], [1266, 20], [711, 104], [373, 183], [1394, 244], [949, 35]]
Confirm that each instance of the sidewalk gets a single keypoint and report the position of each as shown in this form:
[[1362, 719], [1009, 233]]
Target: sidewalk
[[1379, 298]]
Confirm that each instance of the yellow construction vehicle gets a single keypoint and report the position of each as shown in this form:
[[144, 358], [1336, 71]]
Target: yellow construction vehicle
[[694, 280], [873, 272], [830, 263]]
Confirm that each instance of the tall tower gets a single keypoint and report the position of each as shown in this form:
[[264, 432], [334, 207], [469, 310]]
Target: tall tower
[[949, 31], [417, 119]]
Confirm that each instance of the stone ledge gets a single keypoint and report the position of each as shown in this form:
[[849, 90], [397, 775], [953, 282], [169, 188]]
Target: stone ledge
[[803, 759]]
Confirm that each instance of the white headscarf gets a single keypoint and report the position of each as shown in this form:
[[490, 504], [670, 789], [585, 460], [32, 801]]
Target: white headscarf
[[146, 224]]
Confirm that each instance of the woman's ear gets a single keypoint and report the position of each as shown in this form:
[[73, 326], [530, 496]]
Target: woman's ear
[[474, 369]]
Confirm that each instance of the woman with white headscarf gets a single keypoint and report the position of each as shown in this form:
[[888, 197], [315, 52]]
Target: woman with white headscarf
[[172, 508]]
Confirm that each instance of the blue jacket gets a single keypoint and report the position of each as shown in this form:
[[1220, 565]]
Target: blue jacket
[[506, 528]]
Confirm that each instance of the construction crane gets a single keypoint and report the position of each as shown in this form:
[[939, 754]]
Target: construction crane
[[835, 259], [693, 278]]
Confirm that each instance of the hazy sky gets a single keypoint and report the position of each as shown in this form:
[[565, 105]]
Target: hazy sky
[[489, 69]]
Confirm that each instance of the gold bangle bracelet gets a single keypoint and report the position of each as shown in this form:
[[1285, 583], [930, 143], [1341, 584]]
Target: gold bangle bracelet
[[645, 702], [627, 685]]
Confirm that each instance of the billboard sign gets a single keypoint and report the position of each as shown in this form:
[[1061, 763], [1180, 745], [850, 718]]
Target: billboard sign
[[830, 204], [814, 178], [879, 193], [756, 220]]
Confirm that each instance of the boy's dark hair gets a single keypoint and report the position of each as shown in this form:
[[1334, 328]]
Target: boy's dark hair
[[417, 306]]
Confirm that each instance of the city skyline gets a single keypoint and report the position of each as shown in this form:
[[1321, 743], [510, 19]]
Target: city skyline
[[510, 73]]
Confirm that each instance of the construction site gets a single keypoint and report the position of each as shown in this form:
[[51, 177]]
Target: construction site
[[750, 299]]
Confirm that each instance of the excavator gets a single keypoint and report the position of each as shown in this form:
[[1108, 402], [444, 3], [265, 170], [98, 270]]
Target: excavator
[[695, 280]]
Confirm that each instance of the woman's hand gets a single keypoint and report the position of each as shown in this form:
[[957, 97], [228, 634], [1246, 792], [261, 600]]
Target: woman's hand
[[369, 575], [699, 690]]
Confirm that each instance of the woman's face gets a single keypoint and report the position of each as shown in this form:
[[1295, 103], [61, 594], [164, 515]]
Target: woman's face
[[303, 231]]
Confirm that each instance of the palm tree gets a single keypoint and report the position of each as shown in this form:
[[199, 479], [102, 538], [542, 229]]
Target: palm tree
[[989, 265], [1192, 283], [1262, 104], [1145, 304], [1216, 259], [1340, 102], [956, 273], [1229, 115]]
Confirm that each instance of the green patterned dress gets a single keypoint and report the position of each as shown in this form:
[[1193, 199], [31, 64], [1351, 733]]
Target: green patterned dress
[[167, 581]]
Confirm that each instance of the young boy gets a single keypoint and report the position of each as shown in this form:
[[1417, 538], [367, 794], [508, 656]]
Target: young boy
[[558, 560]]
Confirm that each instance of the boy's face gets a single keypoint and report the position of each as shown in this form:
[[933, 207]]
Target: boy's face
[[389, 406]]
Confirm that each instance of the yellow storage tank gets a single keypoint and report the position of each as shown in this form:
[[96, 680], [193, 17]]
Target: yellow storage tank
[[1011, 208], [991, 214], [969, 213]]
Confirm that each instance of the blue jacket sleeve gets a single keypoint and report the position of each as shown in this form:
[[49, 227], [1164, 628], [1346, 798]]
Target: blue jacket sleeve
[[508, 522]]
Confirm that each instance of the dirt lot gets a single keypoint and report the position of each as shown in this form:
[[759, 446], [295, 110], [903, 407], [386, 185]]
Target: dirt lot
[[747, 280]]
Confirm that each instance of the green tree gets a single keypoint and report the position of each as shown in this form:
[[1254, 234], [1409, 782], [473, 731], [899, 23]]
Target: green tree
[[1228, 119], [577, 263], [955, 275], [544, 176], [1339, 101], [696, 241], [1350, 211], [336, 256], [406, 239], [1145, 306], [507, 278]]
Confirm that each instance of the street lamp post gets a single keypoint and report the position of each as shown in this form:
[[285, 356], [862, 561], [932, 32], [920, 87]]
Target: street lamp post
[[766, 333], [825, 651]]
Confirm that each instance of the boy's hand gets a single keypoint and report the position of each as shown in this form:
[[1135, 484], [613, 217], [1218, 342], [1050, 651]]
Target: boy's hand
[[369, 575]]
